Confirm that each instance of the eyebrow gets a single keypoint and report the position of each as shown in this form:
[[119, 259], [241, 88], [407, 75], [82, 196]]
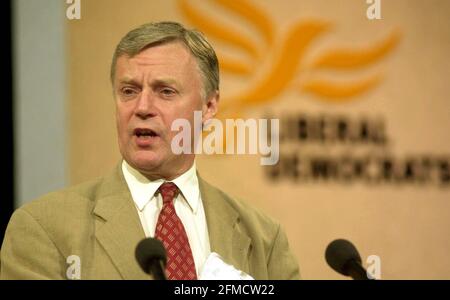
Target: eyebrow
[[160, 81], [128, 80], [165, 81]]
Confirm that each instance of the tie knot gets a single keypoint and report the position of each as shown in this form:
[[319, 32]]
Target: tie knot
[[169, 191]]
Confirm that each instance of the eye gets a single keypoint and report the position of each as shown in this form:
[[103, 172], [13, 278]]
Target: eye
[[167, 92], [128, 91]]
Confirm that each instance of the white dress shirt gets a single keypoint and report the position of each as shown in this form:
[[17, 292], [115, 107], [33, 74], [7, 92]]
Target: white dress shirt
[[188, 206]]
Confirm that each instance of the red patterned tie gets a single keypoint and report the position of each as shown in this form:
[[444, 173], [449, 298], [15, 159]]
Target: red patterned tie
[[170, 231]]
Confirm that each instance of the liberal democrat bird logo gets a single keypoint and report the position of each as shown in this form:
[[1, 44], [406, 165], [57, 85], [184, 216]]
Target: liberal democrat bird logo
[[272, 66]]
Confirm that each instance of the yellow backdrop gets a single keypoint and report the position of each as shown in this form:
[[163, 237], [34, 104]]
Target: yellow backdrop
[[350, 93]]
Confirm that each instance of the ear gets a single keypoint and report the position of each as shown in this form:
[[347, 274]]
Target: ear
[[210, 107]]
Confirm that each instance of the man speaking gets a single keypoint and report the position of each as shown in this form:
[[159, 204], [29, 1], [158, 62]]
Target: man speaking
[[160, 72]]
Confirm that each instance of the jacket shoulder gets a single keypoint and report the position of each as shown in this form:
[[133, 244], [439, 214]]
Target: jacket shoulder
[[64, 213], [249, 215], [67, 199], [271, 257]]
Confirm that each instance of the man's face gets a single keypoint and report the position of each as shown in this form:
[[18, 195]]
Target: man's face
[[152, 89]]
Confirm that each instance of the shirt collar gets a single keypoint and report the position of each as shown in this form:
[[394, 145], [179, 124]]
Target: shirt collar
[[142, 189]]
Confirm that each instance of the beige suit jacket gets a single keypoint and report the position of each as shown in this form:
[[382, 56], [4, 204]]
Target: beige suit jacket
[[98, 222]]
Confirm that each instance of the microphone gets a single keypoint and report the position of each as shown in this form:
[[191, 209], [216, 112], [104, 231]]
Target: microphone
[[151, 256], [342, 256]]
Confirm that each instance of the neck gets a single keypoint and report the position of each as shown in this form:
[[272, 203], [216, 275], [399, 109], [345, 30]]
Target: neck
[[169, 175]]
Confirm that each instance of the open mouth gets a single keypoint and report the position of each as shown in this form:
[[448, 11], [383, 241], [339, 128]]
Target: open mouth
[[144, 132]]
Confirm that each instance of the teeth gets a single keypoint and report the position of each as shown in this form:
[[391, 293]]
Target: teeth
[[140, 133]]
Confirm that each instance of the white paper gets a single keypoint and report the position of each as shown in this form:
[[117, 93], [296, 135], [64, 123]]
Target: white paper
[[216, 269]]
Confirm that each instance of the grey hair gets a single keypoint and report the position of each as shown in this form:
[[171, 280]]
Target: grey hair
[[152, 34]]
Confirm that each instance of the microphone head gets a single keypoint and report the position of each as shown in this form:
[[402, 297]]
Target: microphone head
[[339, 253], [149, 250]]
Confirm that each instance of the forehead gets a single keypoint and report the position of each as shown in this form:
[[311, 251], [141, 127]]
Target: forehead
[[171, 58]]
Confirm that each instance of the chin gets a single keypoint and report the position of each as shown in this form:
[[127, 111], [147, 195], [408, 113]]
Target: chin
[[146, 161]]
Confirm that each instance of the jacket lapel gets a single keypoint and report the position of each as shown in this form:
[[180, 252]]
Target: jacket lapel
[[119, 229], [225, 235]]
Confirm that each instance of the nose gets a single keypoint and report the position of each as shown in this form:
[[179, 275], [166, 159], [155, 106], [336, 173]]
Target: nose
[[145, 106]]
